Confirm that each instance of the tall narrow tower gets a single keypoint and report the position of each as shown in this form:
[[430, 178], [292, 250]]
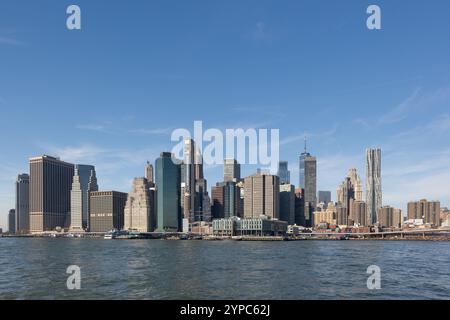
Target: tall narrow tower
[[373, 184], [22, 203], [303, 155], [149, 172], [84, 181]]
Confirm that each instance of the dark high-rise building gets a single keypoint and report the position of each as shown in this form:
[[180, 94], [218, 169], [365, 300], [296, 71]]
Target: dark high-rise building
[[325, 197], [308, 182], [373, 183], [22, 203], [287, 203], [284, 173], [310, 179], [303, 156], [12, 221], [231, 170], [217, 199], [299, 208], [106, 210], [168, 193], [196, 204], [50, 185]]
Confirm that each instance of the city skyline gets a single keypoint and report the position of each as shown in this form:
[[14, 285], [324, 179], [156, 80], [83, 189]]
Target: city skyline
[[355, 89]]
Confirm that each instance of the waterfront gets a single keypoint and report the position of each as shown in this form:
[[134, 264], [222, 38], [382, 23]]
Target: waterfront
[[35, 268]]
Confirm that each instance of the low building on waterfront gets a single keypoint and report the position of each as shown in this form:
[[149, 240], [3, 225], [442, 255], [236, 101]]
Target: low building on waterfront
[[261, 226], [202, 227], [295, 230]]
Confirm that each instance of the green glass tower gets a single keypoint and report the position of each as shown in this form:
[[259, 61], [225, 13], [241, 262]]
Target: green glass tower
[[168, 193]]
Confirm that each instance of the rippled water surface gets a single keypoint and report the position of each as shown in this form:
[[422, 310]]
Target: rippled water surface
[[35, 268]]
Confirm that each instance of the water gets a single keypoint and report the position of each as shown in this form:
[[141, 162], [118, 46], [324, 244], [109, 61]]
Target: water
[[35, 268]]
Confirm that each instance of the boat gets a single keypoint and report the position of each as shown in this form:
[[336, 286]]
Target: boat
[[112, 234]]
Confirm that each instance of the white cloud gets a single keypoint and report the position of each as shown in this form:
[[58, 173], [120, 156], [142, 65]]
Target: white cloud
[[417, 101]]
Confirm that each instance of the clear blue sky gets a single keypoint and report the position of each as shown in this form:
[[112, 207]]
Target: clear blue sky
[[111, 94]]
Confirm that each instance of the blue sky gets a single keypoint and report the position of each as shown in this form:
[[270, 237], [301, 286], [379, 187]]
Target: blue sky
[[111, 93]]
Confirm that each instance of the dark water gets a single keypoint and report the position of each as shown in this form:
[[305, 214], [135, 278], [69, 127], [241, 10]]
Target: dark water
[[156, 269]]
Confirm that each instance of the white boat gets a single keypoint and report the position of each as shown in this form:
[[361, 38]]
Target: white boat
[[112, 234]]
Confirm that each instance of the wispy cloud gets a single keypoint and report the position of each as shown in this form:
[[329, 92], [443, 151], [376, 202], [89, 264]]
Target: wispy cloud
[[415, 102], [300, 137], [10, 41], [92, 127], [111, 128], [152, 131], [401, 111]]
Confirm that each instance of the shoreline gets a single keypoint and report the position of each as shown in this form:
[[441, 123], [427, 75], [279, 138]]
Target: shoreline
[[238, 238]]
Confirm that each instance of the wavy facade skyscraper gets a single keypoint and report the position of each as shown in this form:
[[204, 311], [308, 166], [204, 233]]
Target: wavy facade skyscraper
[[373, 184]]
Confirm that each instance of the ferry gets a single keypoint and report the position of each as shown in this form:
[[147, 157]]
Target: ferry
[[112, 234]]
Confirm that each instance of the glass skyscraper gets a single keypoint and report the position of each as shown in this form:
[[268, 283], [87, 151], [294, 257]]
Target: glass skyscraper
[[283, 172], [168, 193]]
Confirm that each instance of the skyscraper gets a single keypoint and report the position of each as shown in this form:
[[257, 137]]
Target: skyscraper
[[303, 156], [106, 210], [299, 208], [359, 213], [138, 213], [262, 196], [308, 182], [283, 172], [287, 203], [50, 184], [149, 172], [373, 184], [84, 181], [345, 197], [429, 211], [12, 221], [324, 197], [168, 193], [231, 170], [389, 217], [356, 183], [22, 203], [196, 203], [310, 188], [226, 200]]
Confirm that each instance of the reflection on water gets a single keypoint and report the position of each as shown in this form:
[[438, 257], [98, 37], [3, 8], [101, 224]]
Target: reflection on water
[[157, 269]]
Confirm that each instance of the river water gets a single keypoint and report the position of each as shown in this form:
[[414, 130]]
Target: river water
[[35, 268]]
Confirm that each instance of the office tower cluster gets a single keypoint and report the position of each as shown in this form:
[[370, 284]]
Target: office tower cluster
[[195, 202], [173, 196]]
